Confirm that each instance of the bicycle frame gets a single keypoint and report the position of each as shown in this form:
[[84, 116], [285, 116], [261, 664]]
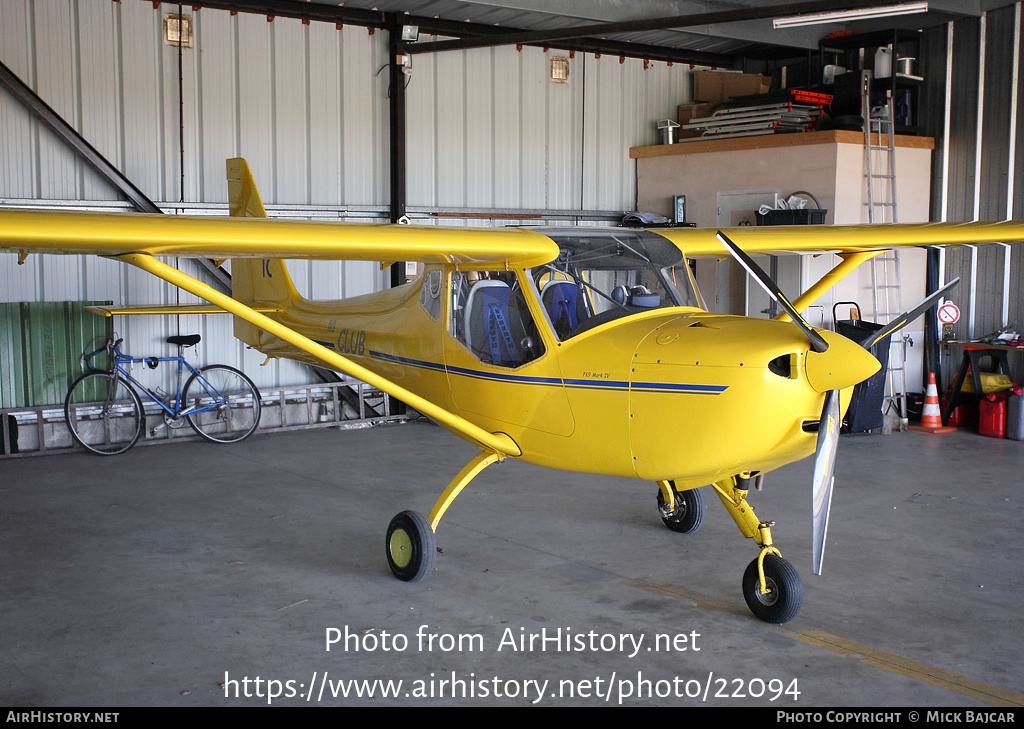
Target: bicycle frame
[[121, 359]]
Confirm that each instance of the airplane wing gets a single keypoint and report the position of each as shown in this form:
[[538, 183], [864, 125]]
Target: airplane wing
[[144, 310], [841, 238], [112, 234]]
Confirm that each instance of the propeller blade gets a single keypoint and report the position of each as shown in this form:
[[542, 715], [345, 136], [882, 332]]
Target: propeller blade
[[824, 470], [905, 318], [817, 342]]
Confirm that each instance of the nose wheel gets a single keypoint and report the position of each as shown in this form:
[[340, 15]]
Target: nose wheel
[[771, 586], [783, 593]]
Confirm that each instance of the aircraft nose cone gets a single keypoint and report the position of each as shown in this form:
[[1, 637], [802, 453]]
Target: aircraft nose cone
[[843, 364]]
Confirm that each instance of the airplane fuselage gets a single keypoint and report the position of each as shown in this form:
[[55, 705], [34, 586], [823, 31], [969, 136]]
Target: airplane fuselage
[[671, 393]]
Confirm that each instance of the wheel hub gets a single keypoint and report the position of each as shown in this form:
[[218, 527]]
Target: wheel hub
[[768, 598], [400, 546], [667, 512]]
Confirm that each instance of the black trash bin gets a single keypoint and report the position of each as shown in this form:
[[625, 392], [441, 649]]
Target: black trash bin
[[865, 412], [11, 434]]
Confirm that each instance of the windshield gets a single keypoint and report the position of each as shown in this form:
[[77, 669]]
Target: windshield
[[606, 273]]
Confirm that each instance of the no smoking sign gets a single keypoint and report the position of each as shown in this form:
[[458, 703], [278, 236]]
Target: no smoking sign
[[949, 313]]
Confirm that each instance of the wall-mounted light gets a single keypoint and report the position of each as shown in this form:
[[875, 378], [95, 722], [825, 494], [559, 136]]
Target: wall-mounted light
[[410, 33], [840, 16], [178, 28], [559, 70]]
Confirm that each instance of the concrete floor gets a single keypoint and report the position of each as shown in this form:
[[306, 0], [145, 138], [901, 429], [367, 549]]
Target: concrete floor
[[149, 579]]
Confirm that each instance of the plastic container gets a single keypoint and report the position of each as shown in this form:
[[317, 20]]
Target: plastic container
[[883, 62], [992, 415], [794, 216], [807, 216], [1015, 414]]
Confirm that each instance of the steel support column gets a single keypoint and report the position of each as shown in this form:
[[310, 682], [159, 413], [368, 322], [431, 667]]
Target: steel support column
[[396, 124]]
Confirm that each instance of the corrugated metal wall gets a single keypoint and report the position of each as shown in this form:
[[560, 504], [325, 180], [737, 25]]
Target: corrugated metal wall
[[307, 105], [980, 144], [40, 343]]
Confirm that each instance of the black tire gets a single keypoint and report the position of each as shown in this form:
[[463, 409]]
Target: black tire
[[235, 418], [103, 413], [691, 508], [786, 594], [411, 546]]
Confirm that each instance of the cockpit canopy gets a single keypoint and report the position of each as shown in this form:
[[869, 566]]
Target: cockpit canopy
[[602, 274], [599, 275]]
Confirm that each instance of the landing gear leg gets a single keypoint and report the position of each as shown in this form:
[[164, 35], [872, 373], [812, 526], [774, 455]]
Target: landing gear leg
[[410, 544], [771, 586]]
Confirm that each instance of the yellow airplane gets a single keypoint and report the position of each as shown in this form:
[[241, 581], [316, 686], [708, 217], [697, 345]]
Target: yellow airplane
[[580, 349]]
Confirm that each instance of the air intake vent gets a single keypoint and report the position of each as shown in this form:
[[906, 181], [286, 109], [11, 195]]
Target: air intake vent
[[782, 366]]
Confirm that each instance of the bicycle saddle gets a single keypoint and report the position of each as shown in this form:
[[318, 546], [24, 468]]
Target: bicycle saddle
[[186, 340]]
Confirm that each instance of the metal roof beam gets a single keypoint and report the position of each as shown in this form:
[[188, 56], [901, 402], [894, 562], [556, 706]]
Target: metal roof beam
[[299, 9], [459, 29], [611, 47], [635, 26]]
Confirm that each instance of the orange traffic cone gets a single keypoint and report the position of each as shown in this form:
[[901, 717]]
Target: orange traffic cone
[[931, 417]]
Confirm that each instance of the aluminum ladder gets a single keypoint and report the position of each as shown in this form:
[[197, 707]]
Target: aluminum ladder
[[880, 153]]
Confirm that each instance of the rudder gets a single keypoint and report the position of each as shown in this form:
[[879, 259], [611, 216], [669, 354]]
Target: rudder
[[260, 281]]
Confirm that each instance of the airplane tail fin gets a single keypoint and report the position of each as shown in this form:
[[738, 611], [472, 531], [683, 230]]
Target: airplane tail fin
[[260, 281]]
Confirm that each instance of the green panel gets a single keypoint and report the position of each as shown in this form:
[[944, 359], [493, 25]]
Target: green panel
[[41, 348], [12, 375]]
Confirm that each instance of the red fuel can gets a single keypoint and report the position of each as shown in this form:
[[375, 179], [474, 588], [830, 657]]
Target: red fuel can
[[992, 415], [965, 414]]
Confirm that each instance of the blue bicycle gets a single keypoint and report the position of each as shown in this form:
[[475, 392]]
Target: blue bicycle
[[105, 414]]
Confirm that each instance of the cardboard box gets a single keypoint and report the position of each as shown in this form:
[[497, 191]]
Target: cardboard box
[[716, 87], [694, 111], [688, 112]]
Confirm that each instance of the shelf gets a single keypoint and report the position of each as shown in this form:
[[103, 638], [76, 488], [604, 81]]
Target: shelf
[[768, 141]]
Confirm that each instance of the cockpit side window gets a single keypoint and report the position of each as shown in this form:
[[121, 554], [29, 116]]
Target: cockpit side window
[[490, 317], [430, 294]]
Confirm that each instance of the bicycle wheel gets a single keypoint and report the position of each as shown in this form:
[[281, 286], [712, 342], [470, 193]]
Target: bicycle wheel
[[227, 402], [104, 413]]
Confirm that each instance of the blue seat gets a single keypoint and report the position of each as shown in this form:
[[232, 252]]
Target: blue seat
[[489, 325], [562, 300]]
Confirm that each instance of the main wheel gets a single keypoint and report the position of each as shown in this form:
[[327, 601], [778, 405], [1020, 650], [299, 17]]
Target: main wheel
[[689, 512], [411, 546], [785, 590], [229, 404], [103, 413]]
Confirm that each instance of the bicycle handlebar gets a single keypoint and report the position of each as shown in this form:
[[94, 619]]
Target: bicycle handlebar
[[109, 347]]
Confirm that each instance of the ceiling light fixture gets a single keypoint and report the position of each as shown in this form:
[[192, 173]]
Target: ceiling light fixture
[[839, 16]]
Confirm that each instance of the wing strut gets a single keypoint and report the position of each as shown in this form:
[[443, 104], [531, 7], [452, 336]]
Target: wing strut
[[846, 266], [497, 442]]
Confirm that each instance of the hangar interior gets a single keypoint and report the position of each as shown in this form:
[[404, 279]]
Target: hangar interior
[[151, 577]]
